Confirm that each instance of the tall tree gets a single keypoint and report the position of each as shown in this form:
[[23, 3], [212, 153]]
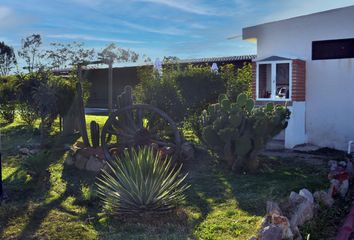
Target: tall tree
[[7, 59], [117, 54], [62, 55], [30, 51]]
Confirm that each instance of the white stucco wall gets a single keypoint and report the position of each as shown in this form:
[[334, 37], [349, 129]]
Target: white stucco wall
[[295, 133], [329, 115]]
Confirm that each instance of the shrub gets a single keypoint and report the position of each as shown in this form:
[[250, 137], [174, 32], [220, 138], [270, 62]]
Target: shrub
[[237, 131], [199, 86], [7, 112], [185, 91], [36, 166], [160, 91], [27, 113], [44, 94], [141, 182], [237, 82], [7, 99]]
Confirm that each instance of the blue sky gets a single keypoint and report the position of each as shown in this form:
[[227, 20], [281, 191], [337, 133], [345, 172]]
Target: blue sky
[[157, 28]]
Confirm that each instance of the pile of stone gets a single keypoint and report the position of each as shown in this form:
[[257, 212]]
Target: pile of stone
[[92, 159], [283, 222], [339, 176], [86, 158], [28, 150]]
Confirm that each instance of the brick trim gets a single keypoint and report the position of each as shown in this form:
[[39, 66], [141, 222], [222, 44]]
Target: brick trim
[[298, 80]]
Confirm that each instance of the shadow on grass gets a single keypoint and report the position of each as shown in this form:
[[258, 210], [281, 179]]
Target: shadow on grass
[[276, 178], [235, 204], [207, 186], [29, 185], [73, 186]]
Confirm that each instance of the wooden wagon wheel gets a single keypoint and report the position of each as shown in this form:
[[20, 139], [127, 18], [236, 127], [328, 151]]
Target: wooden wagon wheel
[[137, 125]]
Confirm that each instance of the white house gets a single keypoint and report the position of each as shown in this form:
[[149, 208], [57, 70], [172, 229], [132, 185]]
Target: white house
[[308, 61]]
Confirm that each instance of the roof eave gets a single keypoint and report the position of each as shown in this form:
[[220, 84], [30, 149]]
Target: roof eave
[[249, 34]]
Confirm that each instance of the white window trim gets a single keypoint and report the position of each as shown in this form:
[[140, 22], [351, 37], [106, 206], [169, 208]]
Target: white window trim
[[273, 76]]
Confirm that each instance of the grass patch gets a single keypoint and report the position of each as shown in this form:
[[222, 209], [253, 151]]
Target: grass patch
[[61, 203]]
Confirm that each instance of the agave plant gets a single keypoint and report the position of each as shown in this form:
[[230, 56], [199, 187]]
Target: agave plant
[[141, 182]]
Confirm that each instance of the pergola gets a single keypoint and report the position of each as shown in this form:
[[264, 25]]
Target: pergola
[[109, 62], [79, 103]]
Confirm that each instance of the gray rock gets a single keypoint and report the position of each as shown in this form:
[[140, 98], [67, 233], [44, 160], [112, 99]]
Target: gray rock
[[296, 199], [80, 161], [307, 194], [69, 160], [94, 164], [297, 234], [33, 151], [271, 232], [324, 198], [273, 208], [332, 165], [343, 188], [283, 223], [187, 151], [24, 151], [349, 168], [302, 213]]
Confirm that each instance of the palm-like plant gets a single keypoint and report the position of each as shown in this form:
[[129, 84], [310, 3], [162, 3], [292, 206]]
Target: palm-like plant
[[141, 182]]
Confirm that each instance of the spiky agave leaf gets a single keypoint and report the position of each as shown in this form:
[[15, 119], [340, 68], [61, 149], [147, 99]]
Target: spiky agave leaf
[[141, 182]]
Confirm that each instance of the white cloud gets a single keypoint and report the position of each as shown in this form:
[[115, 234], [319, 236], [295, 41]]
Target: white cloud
[[91, 38], [89, 3], [7, 17], [167, 31], [5, 12], [196, 25], [188, 6]]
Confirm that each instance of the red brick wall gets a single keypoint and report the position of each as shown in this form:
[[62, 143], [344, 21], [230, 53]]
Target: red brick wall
[[254, 79], [298, 80]]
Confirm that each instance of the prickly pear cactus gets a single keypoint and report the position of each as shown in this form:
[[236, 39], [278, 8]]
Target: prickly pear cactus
[[239, 130], [95, 134]]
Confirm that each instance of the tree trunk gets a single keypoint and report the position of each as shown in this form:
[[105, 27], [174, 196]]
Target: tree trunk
[[228, 154], [253, 162]]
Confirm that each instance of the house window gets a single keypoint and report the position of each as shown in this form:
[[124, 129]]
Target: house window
[[333, 49], [273, 80]]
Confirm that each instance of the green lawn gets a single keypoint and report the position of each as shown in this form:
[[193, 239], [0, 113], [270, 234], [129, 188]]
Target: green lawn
[[60, 202]]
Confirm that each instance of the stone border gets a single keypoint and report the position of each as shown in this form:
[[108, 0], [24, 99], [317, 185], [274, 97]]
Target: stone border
[[284, 222]]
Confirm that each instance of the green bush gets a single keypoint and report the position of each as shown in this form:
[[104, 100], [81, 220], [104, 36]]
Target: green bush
[[199, 86], [36, 166], [237, 82], [7, 112], [45, 95], [185, 91], [141, 182], [160, 91], [7, 98], [27, 113], [237, 131]]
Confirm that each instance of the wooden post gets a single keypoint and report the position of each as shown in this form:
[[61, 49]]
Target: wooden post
[[81, 109], [110, 85]]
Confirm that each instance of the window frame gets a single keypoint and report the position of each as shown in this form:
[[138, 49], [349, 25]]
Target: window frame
[[317, 58], [273, 80]]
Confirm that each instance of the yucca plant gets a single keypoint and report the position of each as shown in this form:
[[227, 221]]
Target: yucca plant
[[141, 182]]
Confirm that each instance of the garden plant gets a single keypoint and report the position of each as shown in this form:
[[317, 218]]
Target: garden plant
[[141, 181], [239, 130]]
